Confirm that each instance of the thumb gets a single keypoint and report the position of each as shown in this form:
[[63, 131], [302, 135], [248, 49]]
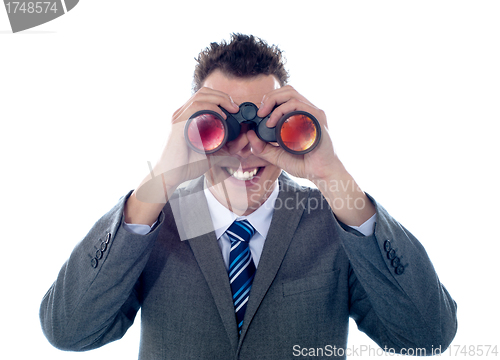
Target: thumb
[[266, 151]]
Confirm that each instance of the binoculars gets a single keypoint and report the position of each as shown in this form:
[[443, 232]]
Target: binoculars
[[298, 132]]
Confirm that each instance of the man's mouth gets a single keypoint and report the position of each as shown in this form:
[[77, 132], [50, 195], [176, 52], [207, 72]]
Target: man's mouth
[[241, 175]]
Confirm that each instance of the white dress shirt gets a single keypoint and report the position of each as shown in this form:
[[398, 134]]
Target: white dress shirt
[[260, 219]]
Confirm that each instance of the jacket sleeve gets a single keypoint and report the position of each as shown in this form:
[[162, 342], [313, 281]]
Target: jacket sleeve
[[396, 296], [95, 299]]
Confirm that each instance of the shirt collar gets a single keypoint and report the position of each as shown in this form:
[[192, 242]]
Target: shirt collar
[[222, 217]]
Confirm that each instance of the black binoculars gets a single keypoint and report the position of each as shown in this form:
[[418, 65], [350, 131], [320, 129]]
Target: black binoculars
[[298, 132]]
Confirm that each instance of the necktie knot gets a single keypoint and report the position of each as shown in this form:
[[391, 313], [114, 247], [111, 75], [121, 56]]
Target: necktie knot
[[240, 231]]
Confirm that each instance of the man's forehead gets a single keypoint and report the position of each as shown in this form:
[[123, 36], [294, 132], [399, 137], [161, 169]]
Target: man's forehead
[[242, 89]]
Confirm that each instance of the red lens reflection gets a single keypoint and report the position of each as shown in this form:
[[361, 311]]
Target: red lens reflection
[[298, 132], [206, 132]]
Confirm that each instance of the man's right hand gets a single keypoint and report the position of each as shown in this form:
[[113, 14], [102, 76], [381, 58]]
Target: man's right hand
[[178, 162]]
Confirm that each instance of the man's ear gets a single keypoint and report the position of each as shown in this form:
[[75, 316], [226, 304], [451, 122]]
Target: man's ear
[[25, 15]]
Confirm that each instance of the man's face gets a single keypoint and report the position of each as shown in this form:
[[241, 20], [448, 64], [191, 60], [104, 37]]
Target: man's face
[[243, 190]]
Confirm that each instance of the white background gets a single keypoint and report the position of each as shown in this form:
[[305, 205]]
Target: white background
[[411, 91]]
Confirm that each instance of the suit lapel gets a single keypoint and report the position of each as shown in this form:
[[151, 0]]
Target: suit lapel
[[209, 258], [195, 225], [283, 226]]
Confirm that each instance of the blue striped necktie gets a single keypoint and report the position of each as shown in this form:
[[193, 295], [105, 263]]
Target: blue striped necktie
[[241, 267]]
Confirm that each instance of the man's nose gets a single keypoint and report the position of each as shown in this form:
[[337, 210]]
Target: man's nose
[[241, 146]]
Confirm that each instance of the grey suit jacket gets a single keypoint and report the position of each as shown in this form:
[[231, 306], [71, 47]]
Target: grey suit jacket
[[313, 275]]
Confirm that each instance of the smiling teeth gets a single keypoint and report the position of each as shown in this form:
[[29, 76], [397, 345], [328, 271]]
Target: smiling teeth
[[243, 175]]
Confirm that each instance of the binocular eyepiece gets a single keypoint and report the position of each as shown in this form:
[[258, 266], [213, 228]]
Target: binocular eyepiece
[[298, 132]]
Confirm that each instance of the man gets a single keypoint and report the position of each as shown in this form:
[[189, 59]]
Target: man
[[313, 257]]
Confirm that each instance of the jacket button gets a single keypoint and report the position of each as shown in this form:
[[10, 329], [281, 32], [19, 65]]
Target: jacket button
[[108, 237], [391, 254], [98, 254], [396, 262], [104, 246], [387, 245], [93, 262], [400, 269]]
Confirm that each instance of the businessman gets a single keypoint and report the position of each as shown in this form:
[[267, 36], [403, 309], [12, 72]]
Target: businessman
[[228, 258]]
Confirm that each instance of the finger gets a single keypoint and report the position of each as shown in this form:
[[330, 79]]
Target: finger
[[196, 106], [225, 100], [256, 143], [206, 99], [288, 107], [272, 154], [201, 106], [278, 97]]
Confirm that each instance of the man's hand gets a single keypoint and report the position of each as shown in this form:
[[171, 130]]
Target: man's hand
[[322, 165], [178, 163], [319, 163]]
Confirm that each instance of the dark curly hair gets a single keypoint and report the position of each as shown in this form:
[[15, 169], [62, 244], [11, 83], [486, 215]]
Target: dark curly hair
[[244, 56]]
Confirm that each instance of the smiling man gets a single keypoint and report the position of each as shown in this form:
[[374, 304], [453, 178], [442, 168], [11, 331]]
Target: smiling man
[[251, 183], [229, 258]]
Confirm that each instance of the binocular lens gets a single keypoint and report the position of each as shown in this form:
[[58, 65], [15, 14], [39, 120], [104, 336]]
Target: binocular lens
[[206, 132], [298, 133]]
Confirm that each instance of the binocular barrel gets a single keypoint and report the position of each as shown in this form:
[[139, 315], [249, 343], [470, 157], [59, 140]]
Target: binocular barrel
[[298, 132]]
